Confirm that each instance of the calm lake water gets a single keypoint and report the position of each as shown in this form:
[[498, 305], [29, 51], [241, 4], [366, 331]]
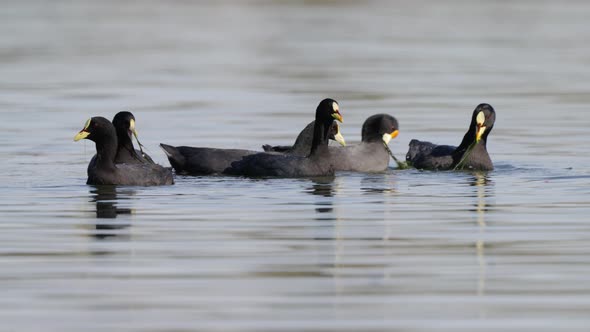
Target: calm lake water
[[404, 251]]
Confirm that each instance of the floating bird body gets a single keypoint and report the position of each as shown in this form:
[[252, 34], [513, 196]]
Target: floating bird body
[[204, 161], [283, 165], [302, 144], [104, 171], [369, 156], [471, 154], [316, 163], [201, 160], [124, 123]]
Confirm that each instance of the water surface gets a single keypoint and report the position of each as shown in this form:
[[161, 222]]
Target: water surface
[[404, 250]]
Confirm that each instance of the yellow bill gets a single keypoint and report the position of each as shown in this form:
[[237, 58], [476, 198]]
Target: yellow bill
[[388, 137], [134, 131], [83, 133], [339, 138], [337, 116], [480, 119], [480, 131]]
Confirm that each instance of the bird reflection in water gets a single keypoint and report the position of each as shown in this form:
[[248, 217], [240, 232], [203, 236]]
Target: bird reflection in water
[[378, 183], [327, 227], [482, 185], [323, 187], [106, 200]]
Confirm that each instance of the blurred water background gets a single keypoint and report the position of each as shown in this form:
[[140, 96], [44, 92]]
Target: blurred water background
[[404, 250]]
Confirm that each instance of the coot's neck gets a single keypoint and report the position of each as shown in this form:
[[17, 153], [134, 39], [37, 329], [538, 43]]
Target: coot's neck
[[302, 144], [371, 139], [125, 145], [469, 139], [478, 151], [320, 137], [106, 150]]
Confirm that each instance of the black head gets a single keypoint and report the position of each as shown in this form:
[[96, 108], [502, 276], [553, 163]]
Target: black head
[[327, 111], [96, 129], [124, 123], [380, 127], [482, 122]]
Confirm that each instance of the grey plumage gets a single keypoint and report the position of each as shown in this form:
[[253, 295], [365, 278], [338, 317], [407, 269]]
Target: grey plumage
[[366, 157], [369, 156], [204, 161], [126, 153], [105, 171], [470, 154], [426, 155], [302, 144], [283, 165], [130, 175], [317, 163]]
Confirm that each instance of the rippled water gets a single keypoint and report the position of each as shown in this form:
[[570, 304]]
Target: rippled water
[[405, 250]]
